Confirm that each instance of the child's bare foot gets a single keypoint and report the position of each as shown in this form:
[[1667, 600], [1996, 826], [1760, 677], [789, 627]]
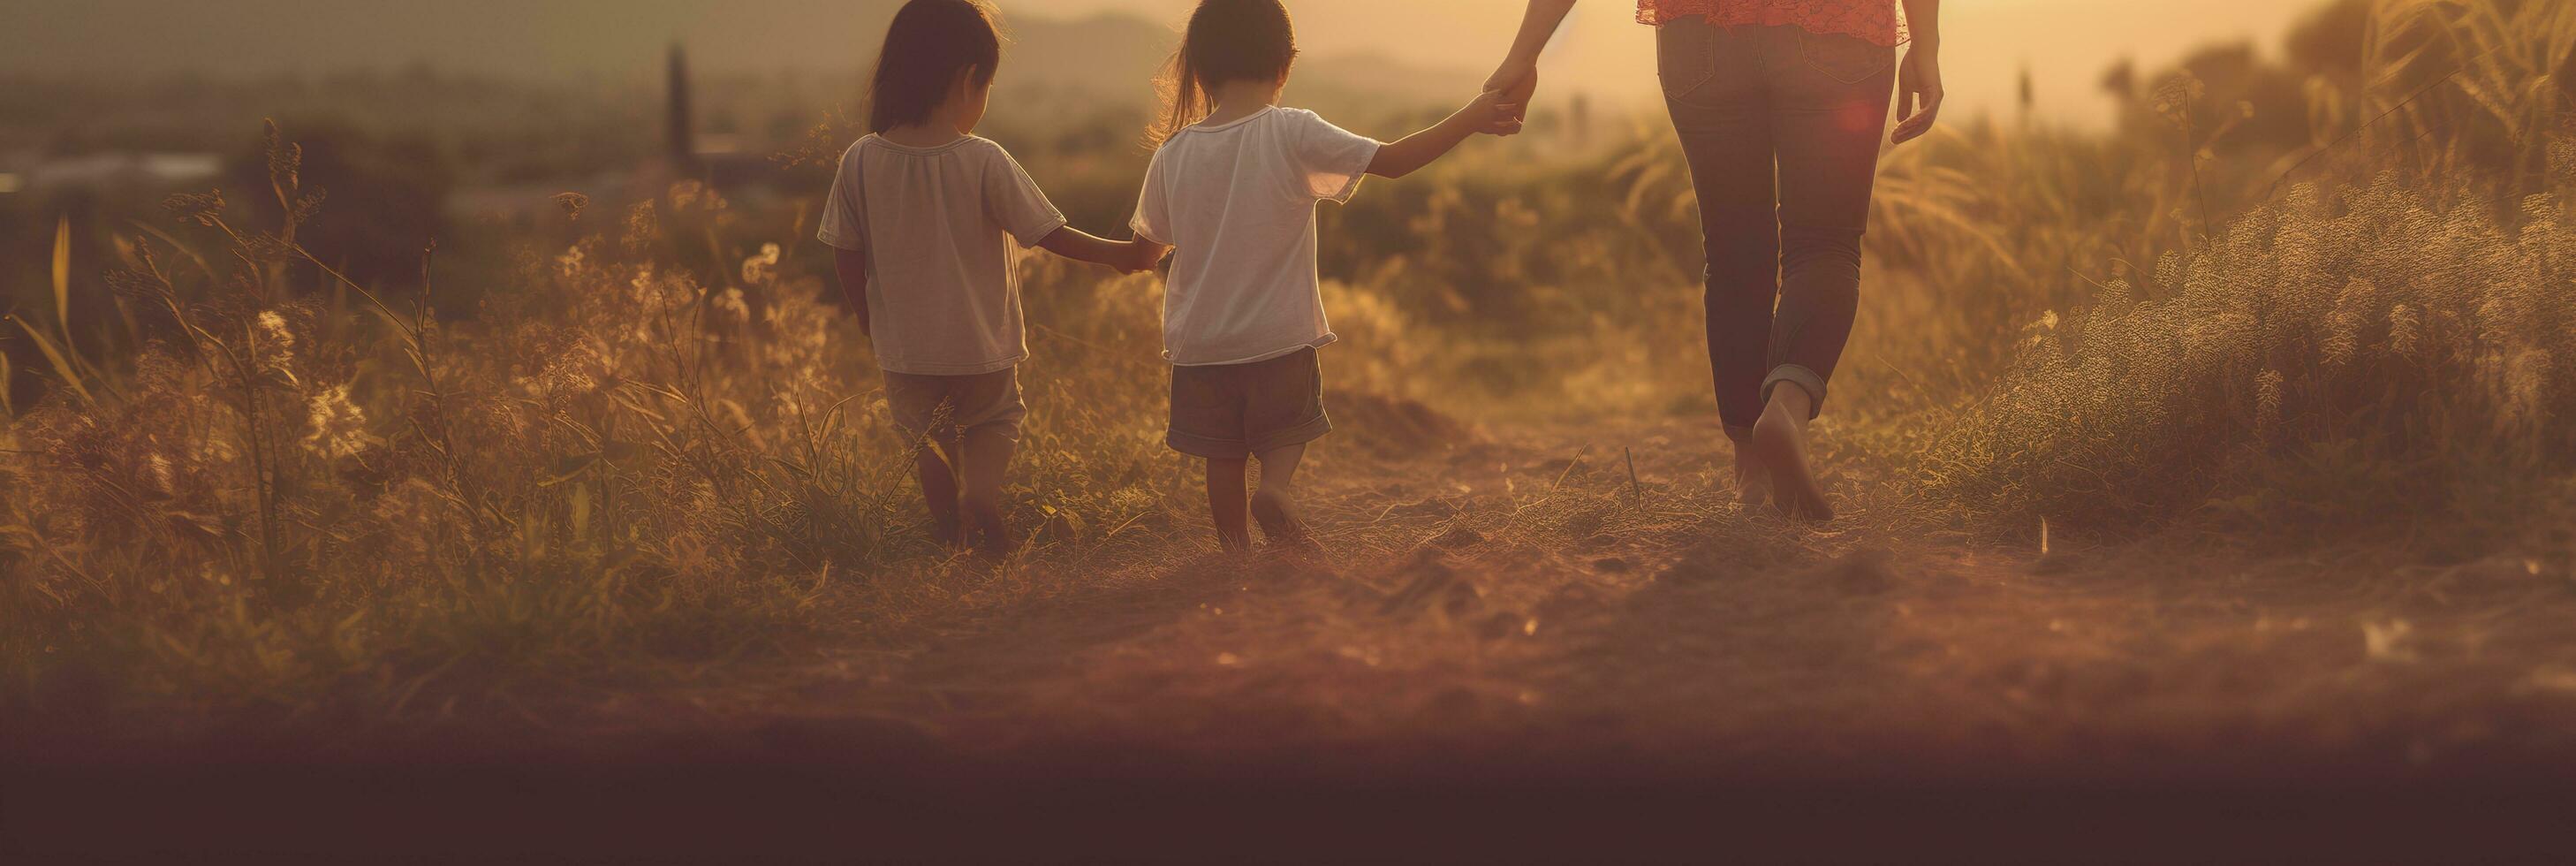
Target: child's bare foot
[[993, 544], [1780, 446], [992, 536], [1278, 518], [990, 552]]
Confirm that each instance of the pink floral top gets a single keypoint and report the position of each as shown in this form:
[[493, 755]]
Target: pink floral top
[[1872, 20]]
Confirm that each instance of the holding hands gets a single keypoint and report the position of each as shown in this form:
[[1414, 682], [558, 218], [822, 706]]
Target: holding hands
[[1126, 257], [1490, 113], [1138, 256], [1517, 81], [1495, 112]]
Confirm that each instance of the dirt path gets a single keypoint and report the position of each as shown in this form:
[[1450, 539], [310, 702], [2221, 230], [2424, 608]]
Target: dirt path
[[1514, 653], [1524, 596]]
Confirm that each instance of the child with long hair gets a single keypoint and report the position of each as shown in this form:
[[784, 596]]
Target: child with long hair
[[921, 218], [1232, 188]]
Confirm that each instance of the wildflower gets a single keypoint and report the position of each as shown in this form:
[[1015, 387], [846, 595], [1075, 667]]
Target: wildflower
[[761, 268], [273, 345], [2173, 99], [202, 208], [643, 286], [799, 334], [731, 302], [285, 159], [690, 195], [339, 427], [275, 326], [641, 228], [267, 248]]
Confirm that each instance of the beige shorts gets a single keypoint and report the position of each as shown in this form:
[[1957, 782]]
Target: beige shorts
[[949, 407]]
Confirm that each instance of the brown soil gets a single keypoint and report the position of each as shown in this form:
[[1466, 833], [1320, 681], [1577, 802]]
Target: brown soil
[[1526, 611], [1462, 605]]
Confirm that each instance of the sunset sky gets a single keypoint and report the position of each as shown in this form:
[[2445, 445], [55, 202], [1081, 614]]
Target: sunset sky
[[2066, 43]]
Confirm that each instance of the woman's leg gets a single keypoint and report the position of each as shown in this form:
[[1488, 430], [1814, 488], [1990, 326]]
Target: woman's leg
[[1714, 89], [1830, 97], [1829, 112]]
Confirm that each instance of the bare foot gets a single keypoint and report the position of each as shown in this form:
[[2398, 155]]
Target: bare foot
[[992, 536], [1780, 445], [1278, 518], [1752, 479], [993, 547]]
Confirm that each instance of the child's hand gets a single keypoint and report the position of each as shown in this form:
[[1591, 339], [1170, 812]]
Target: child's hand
[[1150, 254], [1139, 256], [1491, 114]]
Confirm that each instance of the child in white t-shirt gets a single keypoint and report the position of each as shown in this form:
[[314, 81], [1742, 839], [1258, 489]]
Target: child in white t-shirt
[[1233, 190], [922, 216]]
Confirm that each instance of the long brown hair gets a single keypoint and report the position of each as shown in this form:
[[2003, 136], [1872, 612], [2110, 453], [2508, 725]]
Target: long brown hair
[[1227, 40], [929, 43]]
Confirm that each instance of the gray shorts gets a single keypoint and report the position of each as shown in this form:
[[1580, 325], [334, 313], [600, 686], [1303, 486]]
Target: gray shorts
[[946, 408], [1232, 411]]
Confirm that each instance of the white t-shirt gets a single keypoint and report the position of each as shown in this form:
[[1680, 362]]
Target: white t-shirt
[[943, 294], [1236, 201]]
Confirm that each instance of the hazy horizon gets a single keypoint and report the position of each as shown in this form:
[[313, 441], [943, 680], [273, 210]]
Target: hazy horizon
[[2065, 43]]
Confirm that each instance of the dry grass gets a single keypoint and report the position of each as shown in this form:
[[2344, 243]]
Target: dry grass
[[2384, 324], [623, 473]]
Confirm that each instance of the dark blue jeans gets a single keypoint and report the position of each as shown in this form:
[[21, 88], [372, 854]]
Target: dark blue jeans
[[1781, 128]]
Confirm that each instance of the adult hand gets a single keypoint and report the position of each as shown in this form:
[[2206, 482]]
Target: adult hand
[[1516, 81], [1918, 91], [1492, 113]]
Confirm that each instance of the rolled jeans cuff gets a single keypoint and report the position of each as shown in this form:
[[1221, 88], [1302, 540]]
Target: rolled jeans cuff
[[1801, 377]]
